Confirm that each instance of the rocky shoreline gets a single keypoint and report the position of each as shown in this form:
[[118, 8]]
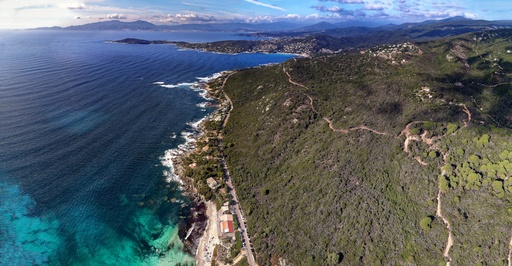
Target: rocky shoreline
[[192, 229]]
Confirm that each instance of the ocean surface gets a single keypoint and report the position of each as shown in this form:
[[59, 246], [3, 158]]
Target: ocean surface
[[84, 128]]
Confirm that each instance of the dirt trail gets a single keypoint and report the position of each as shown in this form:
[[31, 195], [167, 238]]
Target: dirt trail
[[466, 110], [311, 104], [408, 137], [331, 126], [344, 131], [369, 129], [291, 81], [420, 161], [449, 242]]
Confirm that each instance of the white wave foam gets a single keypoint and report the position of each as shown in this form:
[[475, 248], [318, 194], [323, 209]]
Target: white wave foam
[[158, 83], [179, 85], [210, 78], [195, 124], [189, 136], [167, 161]]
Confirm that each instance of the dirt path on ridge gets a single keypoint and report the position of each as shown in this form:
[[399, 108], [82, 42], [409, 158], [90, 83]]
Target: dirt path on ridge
[[331, 123]]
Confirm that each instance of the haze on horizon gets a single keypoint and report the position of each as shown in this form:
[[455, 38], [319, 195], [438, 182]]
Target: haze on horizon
[[15, 14]]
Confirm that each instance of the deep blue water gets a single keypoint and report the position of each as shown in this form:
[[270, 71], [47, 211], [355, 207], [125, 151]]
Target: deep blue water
[[82, 129]]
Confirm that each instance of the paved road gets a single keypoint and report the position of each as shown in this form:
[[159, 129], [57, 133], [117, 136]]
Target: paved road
[[237, 209]]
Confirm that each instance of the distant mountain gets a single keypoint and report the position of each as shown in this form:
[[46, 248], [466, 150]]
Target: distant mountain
[[358, 23], [419, 31], [140, 25], [456, 18], [318, 27]]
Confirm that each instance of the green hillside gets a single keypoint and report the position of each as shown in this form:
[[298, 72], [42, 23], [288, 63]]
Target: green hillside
[[342, 159]]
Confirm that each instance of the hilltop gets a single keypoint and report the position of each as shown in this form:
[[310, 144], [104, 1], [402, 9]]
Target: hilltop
[[397, 154]]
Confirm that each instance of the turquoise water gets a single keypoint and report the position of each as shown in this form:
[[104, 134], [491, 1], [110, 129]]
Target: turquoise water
[[84, 125]]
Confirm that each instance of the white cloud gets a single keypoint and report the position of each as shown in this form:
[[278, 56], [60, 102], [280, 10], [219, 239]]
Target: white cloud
[[116, 16], [471, 15], [194, 17], [256, 2], [292, 16], [373, 7], [78, 6], [259, 19], [334, 9], [313, 16]]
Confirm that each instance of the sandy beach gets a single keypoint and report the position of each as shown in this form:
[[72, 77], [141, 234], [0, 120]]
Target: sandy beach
[[210, 237]]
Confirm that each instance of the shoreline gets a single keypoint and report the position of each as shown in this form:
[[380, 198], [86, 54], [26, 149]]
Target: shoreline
[[198, 232]]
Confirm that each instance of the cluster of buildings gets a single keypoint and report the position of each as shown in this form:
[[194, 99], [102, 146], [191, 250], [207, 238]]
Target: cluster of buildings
[[394, 52]]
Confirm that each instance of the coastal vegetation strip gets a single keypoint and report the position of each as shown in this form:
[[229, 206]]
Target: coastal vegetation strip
[[206, 169]]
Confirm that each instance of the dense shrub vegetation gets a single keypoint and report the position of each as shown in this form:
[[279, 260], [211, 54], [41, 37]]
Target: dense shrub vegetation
[[318, 196]]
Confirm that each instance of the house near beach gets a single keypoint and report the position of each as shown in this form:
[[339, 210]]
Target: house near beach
[[226, 225]]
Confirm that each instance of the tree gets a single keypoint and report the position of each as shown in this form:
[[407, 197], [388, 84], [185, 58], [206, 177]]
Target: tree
[[497, 186], [474, 180], [444, 184], [474, 159], [415, 131], [447, 168], [504, 155], [334, 258], [426, 223], [451, 128]]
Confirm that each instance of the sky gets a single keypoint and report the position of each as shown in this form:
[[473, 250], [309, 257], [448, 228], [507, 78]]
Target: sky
[[19, 14]]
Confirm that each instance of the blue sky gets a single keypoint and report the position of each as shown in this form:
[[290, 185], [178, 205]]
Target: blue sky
[[36, 13]]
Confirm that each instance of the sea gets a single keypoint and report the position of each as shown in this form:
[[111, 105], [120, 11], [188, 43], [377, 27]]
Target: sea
[[85, 126]]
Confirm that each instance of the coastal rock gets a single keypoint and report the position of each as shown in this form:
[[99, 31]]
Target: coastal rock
[[193, 228]]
